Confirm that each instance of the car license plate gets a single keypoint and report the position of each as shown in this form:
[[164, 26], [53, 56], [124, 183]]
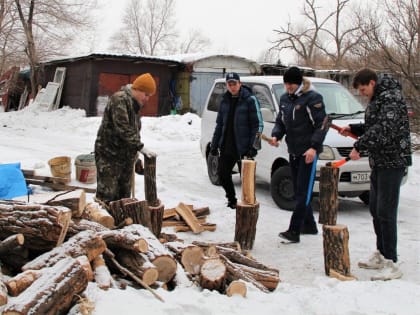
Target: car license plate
[[360, 177]]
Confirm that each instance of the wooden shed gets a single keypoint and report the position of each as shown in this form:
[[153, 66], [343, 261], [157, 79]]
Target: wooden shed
[[195, 81], [91, 79]]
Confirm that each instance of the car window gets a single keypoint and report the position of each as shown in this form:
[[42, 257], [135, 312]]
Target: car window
[[263, 95], [337, 98], [216, 97]]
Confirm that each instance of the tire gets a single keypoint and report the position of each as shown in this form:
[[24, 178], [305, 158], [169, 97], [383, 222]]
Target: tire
[[282, 188], [213, 169], [365, 197]]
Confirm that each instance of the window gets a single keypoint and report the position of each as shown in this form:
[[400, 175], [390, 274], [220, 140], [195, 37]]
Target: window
[[216, 96]]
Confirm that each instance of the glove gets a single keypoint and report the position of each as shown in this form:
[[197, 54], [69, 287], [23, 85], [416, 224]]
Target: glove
[[148, 153], [214, 151], [251, 154], [138, 167]]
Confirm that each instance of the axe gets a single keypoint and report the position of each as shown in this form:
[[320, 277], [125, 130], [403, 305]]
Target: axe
[[339, 163], [257, 141], [327, 123]]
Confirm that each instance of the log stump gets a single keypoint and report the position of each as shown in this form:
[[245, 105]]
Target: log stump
[[246, 224], [213, 275], [248, 181], [328, 195], [336, 251]]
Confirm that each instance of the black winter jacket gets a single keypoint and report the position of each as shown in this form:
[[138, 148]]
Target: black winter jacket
[[301, 118], [386, 132], [247, 121]]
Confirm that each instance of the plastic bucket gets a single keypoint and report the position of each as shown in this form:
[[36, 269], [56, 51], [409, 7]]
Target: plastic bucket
[[60, 166], [85, 168]]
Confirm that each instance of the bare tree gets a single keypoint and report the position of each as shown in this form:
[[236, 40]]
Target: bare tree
[[194, 42], [148, 27], [303, 38], [49, 21]]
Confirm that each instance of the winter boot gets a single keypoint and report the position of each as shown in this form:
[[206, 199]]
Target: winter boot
[[390, 271], [376, 261], [309, 229], [290, 236], [232, 203]]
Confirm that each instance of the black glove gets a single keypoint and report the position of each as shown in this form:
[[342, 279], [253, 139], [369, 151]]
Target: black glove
[[214, 151], [251, 154]]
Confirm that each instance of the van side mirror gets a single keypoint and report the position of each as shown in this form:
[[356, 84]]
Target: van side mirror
[[267, 115]]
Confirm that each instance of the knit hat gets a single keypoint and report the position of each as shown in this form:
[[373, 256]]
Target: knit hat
[[145, 83], [293, 75]]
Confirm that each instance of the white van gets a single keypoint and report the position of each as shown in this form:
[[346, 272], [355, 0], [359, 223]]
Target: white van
[[272, 162]]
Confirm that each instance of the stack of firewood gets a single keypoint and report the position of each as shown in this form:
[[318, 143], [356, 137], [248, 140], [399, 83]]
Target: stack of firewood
[[50, 253]]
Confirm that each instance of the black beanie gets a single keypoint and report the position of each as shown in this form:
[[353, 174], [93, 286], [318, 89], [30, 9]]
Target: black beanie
[[293, 75]]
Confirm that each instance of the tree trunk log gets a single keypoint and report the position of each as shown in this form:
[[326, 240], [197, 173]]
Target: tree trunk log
[[190, 256], [85, 243], [10, 243], [248, 182], [100, 215], [246, 224], [20, 282], [336, 251], [139, 265], [150, 181], [43, 227], [328, 195], [102, 275], [236, 287], [53, 292], [213, 275], [125, 238], [116, 210]]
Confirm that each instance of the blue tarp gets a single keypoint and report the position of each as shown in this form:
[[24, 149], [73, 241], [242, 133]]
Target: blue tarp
[[12, 181]]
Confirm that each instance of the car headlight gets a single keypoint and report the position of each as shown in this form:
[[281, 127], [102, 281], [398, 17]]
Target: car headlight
[[327, 153]]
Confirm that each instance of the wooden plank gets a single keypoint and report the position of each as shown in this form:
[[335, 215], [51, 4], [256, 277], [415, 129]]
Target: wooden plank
[[186, 213], [59, 186]]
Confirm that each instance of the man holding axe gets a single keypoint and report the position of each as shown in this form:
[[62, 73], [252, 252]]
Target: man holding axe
[[302, 120]]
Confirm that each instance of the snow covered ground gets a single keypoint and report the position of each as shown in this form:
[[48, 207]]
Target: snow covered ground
[[33, 136]]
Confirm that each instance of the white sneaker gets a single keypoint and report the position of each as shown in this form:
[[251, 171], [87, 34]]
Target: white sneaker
[[389, 272], [376, 261]]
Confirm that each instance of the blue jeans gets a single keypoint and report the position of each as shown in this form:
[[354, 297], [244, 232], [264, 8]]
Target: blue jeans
[[383, 206], [302, 214]]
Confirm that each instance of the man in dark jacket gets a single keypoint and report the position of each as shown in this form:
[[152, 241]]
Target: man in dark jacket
[[118, 139], [301, 119], [385, 135], [238, 123]]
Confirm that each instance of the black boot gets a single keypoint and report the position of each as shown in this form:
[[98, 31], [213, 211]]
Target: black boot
[[290, 236], [232, 203], [309, 229]]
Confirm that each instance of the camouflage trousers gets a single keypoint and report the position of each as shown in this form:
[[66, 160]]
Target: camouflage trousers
[[113, 178]]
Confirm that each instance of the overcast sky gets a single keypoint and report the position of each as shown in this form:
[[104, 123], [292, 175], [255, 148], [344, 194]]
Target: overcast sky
[[242, 28]]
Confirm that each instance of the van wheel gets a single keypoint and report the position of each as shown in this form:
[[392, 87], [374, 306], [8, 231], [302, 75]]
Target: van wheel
[[213, 169], [282, 188], [365, 197]]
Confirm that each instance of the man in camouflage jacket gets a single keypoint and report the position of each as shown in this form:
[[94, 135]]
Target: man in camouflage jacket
[[385, 135], [118, 139]]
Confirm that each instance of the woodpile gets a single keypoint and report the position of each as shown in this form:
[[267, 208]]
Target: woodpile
[[50, 253]]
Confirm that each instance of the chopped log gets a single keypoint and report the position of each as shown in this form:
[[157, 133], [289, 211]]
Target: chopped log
[[152, 217], [127, 221], [233, 245], [150, 181], [236, 287], [170, 213], [74, 199], [213, 275], [11, 242], [3, 292], [189, 217], [139, 265], [125, 238], [199, 212], [246, 224], [268, 278], [43, 227], [53, 292], [328, 195], [336, 251], [100, 215], [190, 256], [211, 227], [117, 212], [22, 281], [167, 223], [157, 253], [339, 276], [248, 182], [79, 225], [165, 237], [101, 273], [85, 263], [133, 208], [86, 243], [133, 276], [239, 258], [236, 273]]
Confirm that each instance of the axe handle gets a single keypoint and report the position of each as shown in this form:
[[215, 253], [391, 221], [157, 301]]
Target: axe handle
[[339, 163], [268, 139], [339, 129]]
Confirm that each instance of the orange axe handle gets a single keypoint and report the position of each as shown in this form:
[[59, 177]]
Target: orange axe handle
[[339, 129], [339, 163]]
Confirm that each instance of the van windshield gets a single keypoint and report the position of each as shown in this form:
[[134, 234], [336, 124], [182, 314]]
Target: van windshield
[[337, 98]]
